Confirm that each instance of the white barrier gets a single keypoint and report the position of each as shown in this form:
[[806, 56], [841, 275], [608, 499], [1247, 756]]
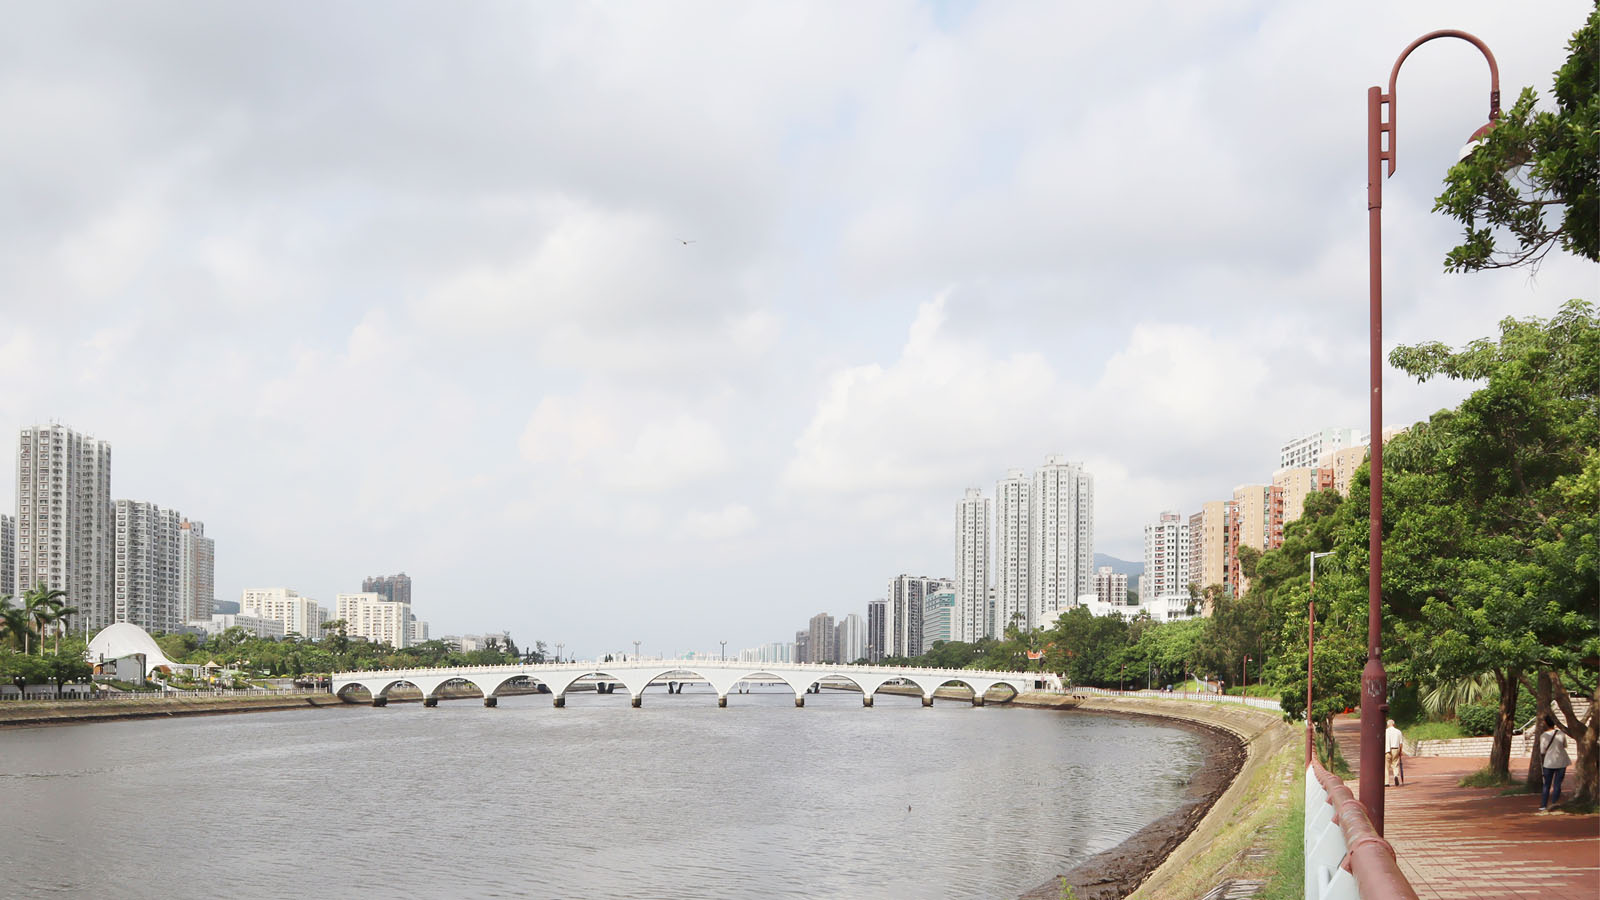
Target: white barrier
[[1325, 848]]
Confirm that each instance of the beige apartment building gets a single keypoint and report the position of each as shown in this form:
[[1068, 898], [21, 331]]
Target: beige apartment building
[[1211, 546], [1297, 484]]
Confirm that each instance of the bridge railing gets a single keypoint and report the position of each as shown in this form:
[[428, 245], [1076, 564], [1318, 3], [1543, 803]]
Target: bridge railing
[[1344, 855], [690, 665]]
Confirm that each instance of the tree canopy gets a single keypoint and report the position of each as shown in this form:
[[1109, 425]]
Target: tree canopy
[[1533, 178]]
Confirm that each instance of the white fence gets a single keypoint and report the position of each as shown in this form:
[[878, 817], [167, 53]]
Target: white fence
[[1325, 848], [1258, 702]]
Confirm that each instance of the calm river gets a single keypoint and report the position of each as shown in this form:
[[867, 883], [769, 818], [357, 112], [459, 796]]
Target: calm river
[[678, 799]]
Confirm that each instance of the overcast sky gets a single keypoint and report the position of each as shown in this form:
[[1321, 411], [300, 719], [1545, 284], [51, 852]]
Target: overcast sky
[[378, 287]]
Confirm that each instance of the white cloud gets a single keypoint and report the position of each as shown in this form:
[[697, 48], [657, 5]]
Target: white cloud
[[730, 521]]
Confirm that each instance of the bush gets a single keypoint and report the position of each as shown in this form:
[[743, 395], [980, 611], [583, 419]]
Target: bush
[[1477, 720]]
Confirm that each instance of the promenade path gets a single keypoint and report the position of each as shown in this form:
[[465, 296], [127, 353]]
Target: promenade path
[[1458, 843]]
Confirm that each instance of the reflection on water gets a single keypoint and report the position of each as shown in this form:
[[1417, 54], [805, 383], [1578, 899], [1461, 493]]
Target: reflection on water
[[598, 800]]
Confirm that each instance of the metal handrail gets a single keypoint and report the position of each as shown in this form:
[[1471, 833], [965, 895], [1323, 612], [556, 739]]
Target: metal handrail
[[1342, 848]]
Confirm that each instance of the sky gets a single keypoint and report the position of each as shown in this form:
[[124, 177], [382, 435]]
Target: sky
[[682, 322]]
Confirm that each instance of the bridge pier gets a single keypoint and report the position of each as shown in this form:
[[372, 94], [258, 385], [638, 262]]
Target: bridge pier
[[561, 701], [977, 699], [722, 701], [491, 702], [430, 702], [867, 701], [380, 701], [638, 701], [927, 700], [799, 700]]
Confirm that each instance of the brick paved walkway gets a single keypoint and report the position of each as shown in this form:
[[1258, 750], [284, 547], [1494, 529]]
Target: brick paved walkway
[[1457, 843]]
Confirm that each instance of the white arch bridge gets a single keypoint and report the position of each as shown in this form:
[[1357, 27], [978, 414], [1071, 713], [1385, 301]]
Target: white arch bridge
[[637, 674]]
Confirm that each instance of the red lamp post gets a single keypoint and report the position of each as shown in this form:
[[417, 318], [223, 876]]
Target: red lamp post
[[1374, 680]]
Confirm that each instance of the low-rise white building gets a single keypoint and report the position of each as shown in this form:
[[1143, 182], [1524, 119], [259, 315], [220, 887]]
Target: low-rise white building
[[257, 626], [299, 615]]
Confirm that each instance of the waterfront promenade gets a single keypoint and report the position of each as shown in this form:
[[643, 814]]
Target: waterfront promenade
[[1460, 843]]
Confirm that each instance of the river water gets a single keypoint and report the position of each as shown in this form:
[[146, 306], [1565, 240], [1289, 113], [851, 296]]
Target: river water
[[678, 799]]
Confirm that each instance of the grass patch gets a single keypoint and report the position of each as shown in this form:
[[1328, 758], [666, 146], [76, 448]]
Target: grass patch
[[1433, 731], [1288, 878], [1488, 778]]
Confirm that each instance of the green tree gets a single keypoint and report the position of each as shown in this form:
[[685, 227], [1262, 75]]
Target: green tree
[[13, 622], [1535, 173], [1490, 526]]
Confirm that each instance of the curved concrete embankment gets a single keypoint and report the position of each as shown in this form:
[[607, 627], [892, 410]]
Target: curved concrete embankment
[[1244, 743], [78, 711]]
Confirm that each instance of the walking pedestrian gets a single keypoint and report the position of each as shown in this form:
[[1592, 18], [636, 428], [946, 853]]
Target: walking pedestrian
[[1553, 747], [1394, 745]]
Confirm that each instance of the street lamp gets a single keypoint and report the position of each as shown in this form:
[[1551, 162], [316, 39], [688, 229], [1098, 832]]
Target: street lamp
[[1122, 683], [1244, 679], [1311, 626], [724, 650], [1374, 680], [559, 645], [636, 649]]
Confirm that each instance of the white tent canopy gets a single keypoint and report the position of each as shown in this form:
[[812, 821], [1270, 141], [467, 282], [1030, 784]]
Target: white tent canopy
[[126, 639]]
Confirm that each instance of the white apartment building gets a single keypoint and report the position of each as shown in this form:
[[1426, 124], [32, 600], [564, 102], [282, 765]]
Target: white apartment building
[[972, 616], [8, 553], [467, 643], [197, 579], [1304, 451], [299, 615], [1111, 586], [253, 625], [419, 631], [1013, 516], [146, 587], [66, 521], [376, 618], [1061, 561], [1168, 552], [850, 635]]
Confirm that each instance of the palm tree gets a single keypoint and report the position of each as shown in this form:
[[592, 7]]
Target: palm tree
[[40, 604], [13, 621], [59, 614]]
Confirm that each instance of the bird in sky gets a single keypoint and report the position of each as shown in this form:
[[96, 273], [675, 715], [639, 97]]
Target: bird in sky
[[686, 243]]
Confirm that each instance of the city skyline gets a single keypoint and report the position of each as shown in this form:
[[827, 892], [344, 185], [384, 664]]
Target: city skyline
[[449, 322]]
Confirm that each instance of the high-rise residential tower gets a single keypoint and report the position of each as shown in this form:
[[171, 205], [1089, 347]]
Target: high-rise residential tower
[[972, 619], [394, 588], [1168, 552], [1012, 520], [821, 639], [939, 617], [146, 591], [8, 553], [66, 522], [197, 580], [904, 618], [1258, 514], [850, 638], [1061, 561], [1211, 547], [877, 630], [1298, 484]]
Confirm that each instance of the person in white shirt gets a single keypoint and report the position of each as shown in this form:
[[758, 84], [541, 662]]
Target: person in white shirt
[[1553, 747], [1393, 746]]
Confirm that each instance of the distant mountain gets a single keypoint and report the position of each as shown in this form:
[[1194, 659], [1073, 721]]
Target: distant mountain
[[1120, 566]]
